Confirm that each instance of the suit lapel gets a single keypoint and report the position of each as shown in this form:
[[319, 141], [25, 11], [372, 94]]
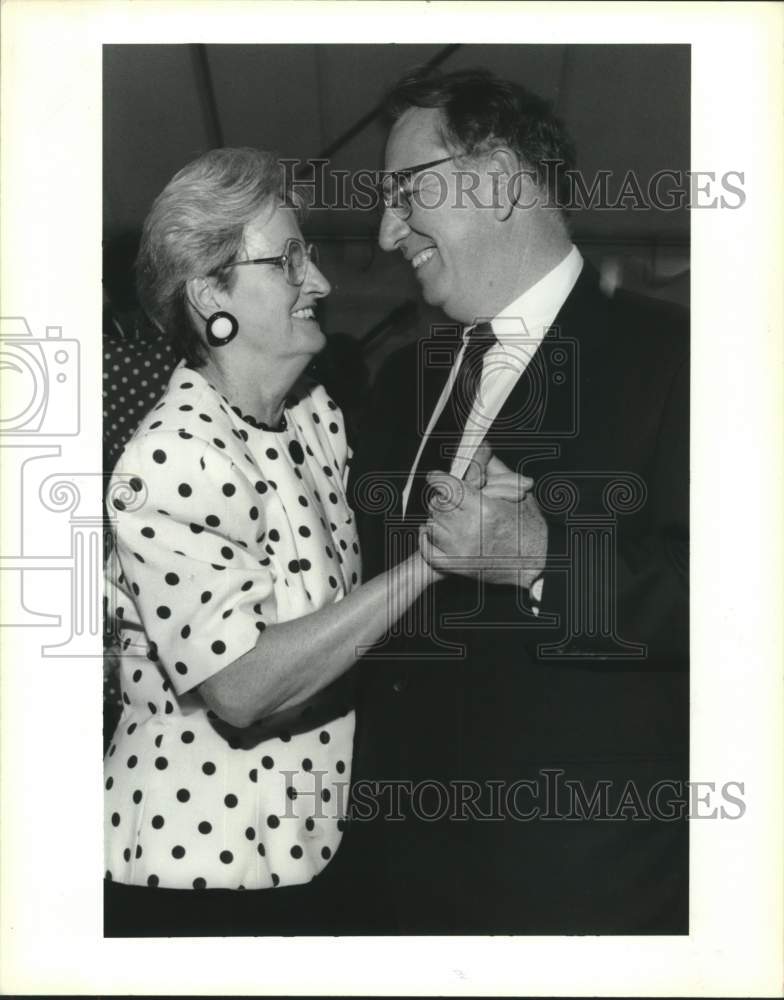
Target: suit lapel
[[544, 406]]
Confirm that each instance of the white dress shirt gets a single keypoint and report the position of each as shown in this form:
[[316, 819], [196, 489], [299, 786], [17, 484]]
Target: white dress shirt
[[518, 329]]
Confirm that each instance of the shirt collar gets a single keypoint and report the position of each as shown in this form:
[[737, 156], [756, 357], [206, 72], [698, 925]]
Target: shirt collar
[[537, 307]]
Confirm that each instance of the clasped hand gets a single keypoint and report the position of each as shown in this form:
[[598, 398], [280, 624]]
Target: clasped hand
[[487, 524]]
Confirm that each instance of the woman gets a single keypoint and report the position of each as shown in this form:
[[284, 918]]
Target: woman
[[237, 574]]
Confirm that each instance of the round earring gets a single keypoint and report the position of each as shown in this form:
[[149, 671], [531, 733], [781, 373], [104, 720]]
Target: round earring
[[222, 327]]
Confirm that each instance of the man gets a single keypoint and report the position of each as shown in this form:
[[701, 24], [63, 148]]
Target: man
[[528, 746]]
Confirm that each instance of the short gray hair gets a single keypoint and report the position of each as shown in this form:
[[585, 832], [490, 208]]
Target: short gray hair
[[195, 227]]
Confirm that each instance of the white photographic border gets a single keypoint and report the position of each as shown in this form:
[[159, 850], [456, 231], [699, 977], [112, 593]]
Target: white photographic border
[[51, 708]]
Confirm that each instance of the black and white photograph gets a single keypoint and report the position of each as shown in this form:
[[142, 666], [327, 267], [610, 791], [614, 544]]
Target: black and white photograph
[[410, 553], [414, 383]]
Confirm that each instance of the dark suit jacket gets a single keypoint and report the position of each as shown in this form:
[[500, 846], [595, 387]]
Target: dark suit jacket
[[596, 687]]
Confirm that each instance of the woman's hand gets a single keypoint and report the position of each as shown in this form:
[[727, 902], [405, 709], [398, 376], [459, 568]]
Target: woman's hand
[[427, 553]]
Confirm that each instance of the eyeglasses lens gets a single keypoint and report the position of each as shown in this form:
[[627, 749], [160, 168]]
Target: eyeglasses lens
[[394, 194], [295, 258], [298, 256]]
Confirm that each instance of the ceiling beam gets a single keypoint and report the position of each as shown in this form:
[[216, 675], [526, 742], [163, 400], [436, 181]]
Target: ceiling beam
[[206, 94], [370, 116]]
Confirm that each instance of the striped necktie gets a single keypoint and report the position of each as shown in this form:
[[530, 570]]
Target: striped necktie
[[445, 437]]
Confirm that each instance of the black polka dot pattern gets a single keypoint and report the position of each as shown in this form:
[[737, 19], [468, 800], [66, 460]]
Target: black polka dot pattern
[[234, 519], [135, 372]]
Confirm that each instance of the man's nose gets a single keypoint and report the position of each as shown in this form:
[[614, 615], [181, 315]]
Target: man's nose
[[393, 230]]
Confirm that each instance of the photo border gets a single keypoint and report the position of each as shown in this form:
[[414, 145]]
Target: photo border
[[51, 707]]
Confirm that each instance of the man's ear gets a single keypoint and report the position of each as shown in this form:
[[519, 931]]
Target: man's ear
[[511, 182], [203, 296]]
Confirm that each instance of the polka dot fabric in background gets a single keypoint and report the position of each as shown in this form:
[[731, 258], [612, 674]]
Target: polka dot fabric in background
[[137, 365], [233, 529], [135, 374]]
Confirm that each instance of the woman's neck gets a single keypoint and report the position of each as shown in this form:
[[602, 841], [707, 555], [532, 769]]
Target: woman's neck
[[256, 395]]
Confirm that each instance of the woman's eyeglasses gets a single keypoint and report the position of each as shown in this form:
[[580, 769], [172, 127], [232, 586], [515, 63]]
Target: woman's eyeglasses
[[293, 261], [396, 187]]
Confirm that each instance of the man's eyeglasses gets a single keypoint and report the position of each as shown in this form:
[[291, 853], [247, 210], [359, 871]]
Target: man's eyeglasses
[[396, 187], [293, 261]]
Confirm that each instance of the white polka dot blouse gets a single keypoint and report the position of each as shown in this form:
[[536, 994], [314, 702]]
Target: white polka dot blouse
[[222, 527]]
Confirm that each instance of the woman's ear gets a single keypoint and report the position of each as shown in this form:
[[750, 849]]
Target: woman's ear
[[508, 178], [202, 296]]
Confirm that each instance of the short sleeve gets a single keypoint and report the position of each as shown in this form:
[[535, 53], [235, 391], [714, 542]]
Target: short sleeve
[[193, 555], [320, 416]]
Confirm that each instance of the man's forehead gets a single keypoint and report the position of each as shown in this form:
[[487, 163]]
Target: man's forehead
[[415, 138]]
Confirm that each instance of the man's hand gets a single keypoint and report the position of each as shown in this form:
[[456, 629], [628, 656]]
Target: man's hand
[[504, 484], [489, 532], [488, 473]]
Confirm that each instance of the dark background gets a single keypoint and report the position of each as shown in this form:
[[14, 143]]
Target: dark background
[[626, 106]]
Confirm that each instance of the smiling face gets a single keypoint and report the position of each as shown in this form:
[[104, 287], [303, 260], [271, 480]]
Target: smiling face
[[450, 241], [276, 320]]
